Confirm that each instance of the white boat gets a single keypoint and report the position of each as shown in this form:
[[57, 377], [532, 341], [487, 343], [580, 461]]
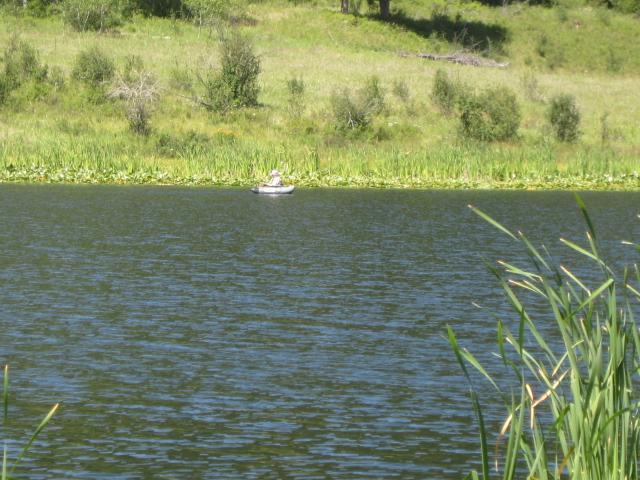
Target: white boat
[[273, 190]]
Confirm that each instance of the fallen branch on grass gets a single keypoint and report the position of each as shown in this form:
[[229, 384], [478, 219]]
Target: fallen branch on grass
[[464, 59]]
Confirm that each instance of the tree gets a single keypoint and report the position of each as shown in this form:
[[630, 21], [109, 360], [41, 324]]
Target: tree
[[345, 6], [384, 9]]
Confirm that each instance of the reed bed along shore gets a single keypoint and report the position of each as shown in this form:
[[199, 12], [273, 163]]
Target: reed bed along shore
[[474, 166]]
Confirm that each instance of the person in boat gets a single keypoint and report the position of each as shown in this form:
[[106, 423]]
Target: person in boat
[[276, 179]]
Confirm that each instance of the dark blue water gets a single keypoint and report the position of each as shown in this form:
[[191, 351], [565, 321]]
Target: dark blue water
[[213, 333]]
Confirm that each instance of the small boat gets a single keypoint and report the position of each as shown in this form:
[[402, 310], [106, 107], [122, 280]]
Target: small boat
[[273, 190]]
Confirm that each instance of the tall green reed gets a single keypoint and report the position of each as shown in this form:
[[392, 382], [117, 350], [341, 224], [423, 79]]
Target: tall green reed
[[121, 160], [573, 412], [7, 471]]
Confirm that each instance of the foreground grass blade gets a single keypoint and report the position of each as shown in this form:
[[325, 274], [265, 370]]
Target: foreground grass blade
[[5, 395], [37, 431], [486, 217], [585, 214], [476, 405]]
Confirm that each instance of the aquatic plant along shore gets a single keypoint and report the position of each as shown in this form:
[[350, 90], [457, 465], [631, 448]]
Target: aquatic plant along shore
[[450, 167], [572, 409]]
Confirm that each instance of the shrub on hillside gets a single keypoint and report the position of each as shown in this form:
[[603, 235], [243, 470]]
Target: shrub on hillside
[[564, 117], [236, 84], [139, 117], [212, 13], [93, 67], [157, 8], [352, 111], [91, 15], [445, 92], [348, 112], [494, 114], [22, 63], [240, 69], [34, 8], [139, 90]]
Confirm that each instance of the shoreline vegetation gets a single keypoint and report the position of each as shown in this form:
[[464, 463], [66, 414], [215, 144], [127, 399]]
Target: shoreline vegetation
[[467, 172], [330, 99]]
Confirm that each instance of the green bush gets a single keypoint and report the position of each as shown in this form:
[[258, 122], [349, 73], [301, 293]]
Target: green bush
[[240, 69], [348, 113], [218, 95], [444, 92], [564, 117], [22, 63], [353, 111], [210, 13], [236, 84], [91, 15], [21, 66], [494, 114], [34, 8], [94, 68], [139, 117], [157, 8]]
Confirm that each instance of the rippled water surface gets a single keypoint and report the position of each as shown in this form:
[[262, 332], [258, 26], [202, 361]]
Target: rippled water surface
[[213, 333]]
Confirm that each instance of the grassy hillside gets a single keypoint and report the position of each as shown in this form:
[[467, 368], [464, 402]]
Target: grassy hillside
[[62, 133]]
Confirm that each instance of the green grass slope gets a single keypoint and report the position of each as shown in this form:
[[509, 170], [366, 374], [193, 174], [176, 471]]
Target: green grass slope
[[59, 133]]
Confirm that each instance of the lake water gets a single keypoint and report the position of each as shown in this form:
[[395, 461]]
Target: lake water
[[213, 333]]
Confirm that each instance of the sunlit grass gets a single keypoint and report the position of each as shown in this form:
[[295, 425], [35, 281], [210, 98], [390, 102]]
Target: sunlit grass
[[245, 163], [7, 467]]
